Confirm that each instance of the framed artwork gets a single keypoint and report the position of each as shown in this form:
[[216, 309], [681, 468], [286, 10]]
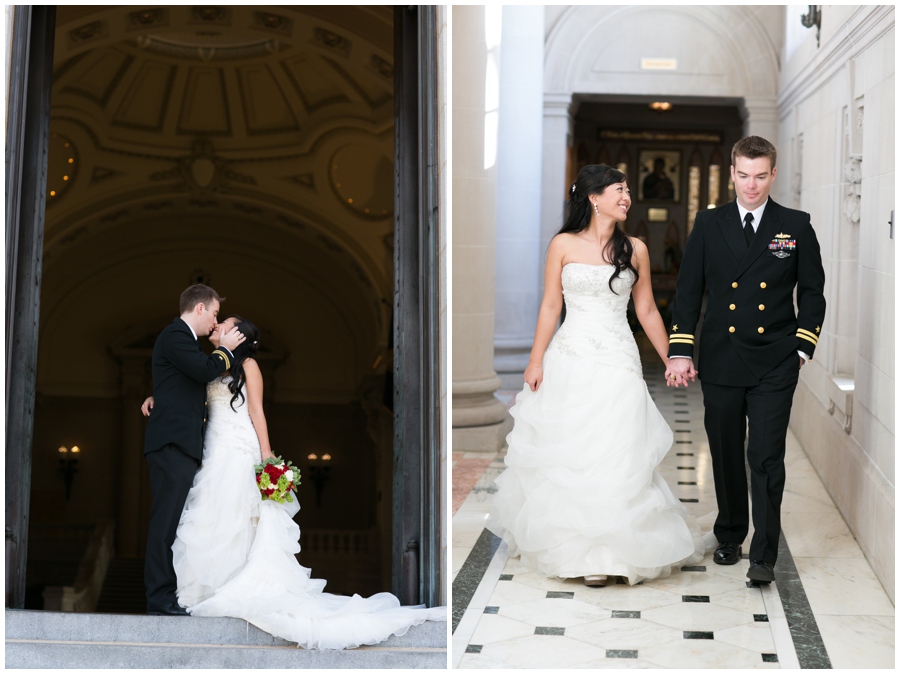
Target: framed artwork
[[659, 176]]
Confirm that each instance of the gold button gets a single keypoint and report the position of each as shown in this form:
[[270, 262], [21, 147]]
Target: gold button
[[760, 330], [731, 329], [762, 307], [734, 285], [731, 306], [762, 285]]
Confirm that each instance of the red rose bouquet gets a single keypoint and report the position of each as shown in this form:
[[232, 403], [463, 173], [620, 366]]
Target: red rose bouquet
[[276, 479]]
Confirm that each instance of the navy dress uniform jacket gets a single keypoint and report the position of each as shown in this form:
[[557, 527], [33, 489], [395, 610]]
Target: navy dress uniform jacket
[[750, 324], [181, 372]]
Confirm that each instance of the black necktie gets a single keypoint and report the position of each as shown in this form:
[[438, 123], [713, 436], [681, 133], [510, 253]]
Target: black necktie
[[748, 228]]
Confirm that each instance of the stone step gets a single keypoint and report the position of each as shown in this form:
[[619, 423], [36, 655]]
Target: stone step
[[43, 639]]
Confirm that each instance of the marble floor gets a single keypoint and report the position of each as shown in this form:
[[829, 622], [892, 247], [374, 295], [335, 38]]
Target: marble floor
[[825, 609]]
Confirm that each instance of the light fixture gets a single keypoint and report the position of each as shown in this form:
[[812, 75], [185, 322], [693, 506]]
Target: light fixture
[[68, 466], [319, 469], [661, 106]]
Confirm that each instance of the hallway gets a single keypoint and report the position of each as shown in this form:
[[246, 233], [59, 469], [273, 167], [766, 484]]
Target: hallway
[[825, 609]]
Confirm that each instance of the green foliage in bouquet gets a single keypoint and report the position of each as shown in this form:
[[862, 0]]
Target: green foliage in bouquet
[[276, 479]]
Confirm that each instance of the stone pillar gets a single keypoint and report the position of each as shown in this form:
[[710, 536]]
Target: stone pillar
[[519, 258], [557, 138], [480, 421], [761, 118]]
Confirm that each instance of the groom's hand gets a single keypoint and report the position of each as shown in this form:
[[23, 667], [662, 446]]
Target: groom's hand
[[231, 340], [147, 406], [680, 371]]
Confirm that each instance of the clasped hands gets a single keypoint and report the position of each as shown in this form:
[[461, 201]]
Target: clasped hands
[[679, 371]]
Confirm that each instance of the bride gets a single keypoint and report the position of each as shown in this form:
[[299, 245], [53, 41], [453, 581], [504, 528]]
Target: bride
[[581, 496], [234, 552]]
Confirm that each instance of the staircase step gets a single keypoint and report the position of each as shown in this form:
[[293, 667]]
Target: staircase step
[[42, 639]]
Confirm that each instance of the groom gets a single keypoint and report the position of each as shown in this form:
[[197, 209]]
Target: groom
[[750, 255], [173, 443]]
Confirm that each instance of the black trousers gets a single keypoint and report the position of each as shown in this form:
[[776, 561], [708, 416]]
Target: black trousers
[[764, 410], [171, 476]]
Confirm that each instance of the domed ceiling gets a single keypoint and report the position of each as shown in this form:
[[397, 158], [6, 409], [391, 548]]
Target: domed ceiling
[[269, 126]]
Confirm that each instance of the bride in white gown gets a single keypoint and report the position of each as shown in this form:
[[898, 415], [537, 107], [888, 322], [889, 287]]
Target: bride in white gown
[[234, 553], [581, 496]]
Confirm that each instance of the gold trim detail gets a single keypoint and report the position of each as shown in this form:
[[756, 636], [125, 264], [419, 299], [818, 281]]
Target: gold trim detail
[[221, 354], [813, 338], [808, 339]]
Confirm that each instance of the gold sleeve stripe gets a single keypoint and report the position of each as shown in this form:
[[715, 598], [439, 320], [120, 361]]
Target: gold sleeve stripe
[[807, 338], [221, 354], [809, 335], [678, 340]]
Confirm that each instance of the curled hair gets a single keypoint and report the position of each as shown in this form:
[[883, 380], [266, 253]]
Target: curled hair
[[594, 179], [247, 349]]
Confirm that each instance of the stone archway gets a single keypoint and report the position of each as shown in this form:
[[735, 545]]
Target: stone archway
[[253, 148]]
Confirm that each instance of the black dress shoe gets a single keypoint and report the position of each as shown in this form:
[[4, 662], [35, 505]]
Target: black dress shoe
[[761, 572], [169, 609], [727, 553]]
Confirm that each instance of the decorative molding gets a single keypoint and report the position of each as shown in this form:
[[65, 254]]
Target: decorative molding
[[88, 32], [333, 41], [853, 190], [273, 22], [382, 67], [211, 14], [148, 18]]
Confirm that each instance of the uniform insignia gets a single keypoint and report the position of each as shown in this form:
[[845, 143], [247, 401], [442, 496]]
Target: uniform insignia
[[782, 246], [674, 328], [818, 329]]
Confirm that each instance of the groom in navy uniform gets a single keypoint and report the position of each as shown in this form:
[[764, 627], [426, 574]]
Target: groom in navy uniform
[[173, 443], [750, 255]]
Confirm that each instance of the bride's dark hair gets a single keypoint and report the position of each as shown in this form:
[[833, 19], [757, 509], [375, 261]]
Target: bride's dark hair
[[594, 179], [247, 349]]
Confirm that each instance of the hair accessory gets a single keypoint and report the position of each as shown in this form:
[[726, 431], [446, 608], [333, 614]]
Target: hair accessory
[[255, 342], [573, 188]]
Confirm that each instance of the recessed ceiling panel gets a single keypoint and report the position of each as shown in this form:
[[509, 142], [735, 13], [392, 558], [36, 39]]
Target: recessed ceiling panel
[[144, 106], [97, 75], [314, 82], [204, 107], [265, 108]]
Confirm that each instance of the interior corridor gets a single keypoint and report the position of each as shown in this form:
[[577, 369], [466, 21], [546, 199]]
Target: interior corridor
[[825, 609]]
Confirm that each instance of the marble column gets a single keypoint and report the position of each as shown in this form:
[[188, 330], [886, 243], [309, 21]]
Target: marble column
[[557, 138], [519, 258], [480, 420], [761, 118]]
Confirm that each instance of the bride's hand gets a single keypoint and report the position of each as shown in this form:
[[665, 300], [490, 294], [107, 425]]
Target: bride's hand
[[147, 406], [534, 375], [267, 455]]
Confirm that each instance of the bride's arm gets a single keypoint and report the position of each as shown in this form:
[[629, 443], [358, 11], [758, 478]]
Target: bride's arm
[[645, 305], [548, 316], [253, 382]]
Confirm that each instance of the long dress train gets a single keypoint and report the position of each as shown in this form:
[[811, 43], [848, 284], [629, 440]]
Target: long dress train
[[581, 494], [234, 553]]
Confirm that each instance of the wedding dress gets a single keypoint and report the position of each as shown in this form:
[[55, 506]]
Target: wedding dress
[[234, 553], [581, 494]]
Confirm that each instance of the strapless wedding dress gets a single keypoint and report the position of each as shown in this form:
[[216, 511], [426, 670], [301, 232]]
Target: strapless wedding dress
[[581, 494], [234, 553]]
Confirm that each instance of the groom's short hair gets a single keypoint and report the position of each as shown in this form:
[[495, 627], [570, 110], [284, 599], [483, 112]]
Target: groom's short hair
[[196, 294], [752, 147]]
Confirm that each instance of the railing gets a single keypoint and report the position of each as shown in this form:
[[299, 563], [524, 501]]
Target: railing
[[83, 596]]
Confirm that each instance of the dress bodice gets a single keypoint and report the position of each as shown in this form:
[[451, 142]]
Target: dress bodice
[[596, 324], [229, 428], [590, 303]]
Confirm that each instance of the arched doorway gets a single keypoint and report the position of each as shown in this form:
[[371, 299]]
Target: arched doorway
[[251, 148]]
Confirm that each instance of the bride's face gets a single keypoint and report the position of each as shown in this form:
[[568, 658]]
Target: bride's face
[[614, 202], [221, 328]]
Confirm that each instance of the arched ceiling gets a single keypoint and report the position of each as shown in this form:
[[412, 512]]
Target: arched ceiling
[[253, 142]]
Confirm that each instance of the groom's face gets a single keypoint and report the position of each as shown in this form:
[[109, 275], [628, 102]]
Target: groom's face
[[208, 317], [752, 180]]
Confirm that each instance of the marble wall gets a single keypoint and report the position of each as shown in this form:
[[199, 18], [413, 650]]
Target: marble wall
[[836, 161]]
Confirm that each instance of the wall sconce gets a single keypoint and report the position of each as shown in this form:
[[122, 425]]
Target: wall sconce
[[68, 466], [319, 468], [814, 18]]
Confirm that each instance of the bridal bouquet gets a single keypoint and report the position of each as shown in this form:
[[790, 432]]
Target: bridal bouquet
[[276, 479]]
